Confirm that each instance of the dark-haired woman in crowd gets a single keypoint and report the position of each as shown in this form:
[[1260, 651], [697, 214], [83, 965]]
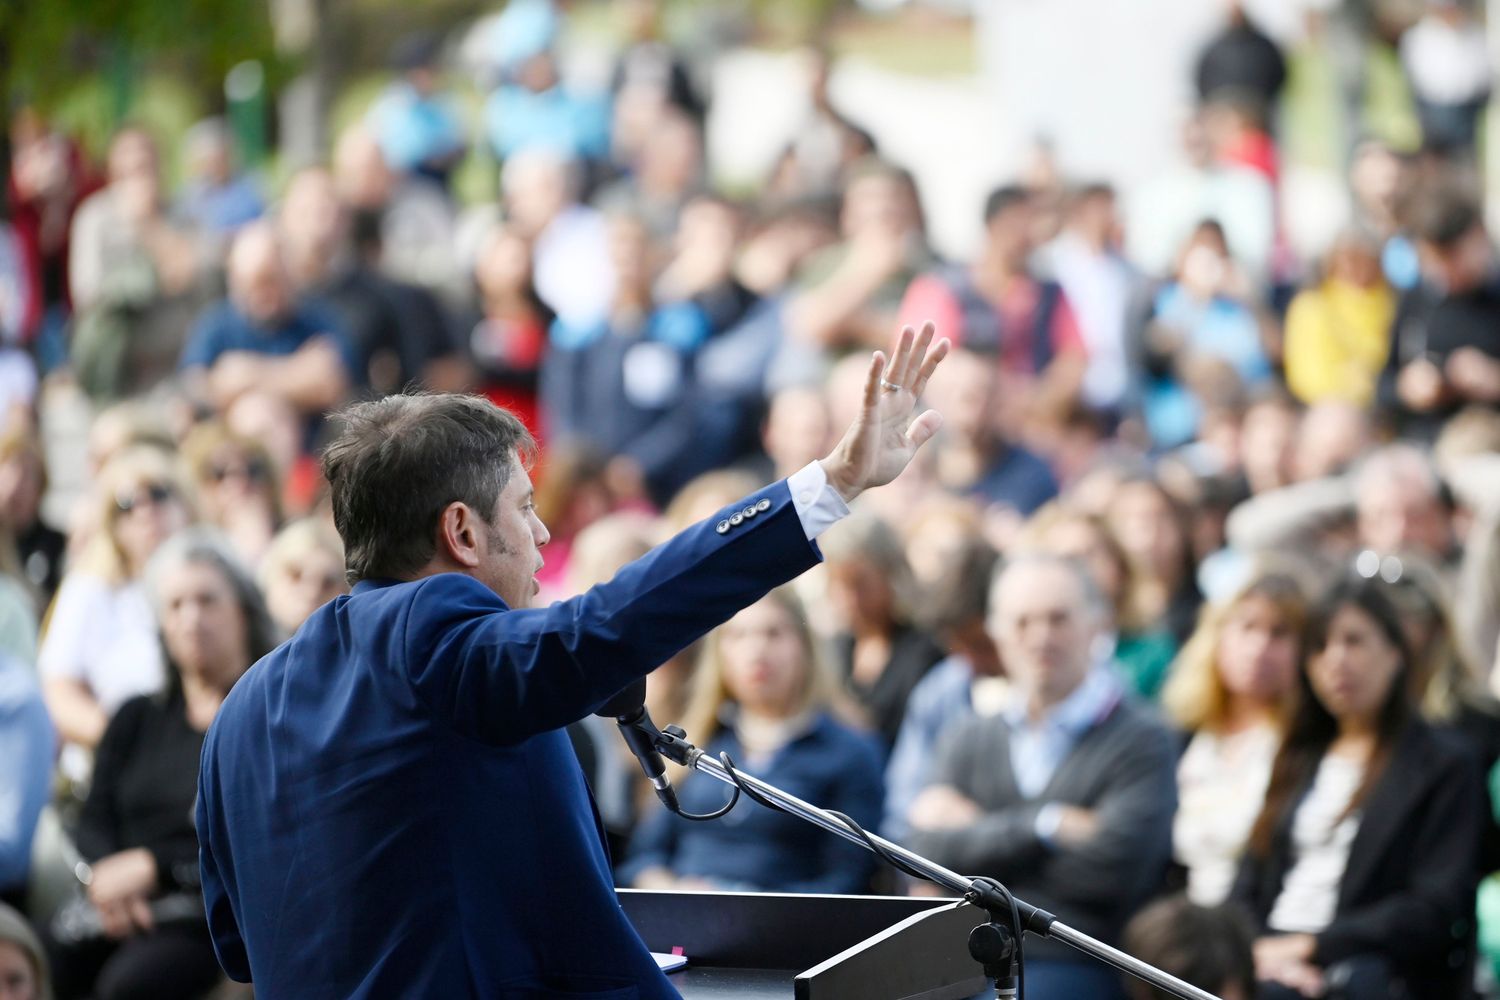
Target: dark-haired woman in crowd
[[136, 831], [881, 654], [1153, 528], [1361, 866]]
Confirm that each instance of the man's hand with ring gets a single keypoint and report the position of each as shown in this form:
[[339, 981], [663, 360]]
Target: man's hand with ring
[[884, 436]]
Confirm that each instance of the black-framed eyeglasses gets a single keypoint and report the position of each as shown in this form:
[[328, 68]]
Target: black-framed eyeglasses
[[153, 493]]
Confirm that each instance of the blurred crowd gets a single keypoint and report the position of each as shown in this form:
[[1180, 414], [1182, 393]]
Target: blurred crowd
[[1195, 599]]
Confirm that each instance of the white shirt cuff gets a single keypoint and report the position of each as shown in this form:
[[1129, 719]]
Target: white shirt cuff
[[818, 505], [1048, 820]]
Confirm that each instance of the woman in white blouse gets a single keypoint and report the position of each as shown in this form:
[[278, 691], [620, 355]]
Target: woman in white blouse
[[1361, 869], [1231, 689], [101, 646]]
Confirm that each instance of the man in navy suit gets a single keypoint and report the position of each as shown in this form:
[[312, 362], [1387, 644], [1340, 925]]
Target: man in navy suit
[[387, 804]]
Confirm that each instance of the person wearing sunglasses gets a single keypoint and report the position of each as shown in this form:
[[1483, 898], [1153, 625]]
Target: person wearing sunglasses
[[101, 647], [237, 488]]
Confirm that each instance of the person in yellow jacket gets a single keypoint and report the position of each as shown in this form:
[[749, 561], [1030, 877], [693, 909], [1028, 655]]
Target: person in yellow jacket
[[1338, 332]]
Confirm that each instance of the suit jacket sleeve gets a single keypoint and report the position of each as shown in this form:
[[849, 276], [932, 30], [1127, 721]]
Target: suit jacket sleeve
[[223, 928], [1416, 923], [998, 840], [502, 676], [1125, 859]]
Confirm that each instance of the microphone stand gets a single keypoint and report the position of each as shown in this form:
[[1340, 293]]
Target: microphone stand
[[993, 944]]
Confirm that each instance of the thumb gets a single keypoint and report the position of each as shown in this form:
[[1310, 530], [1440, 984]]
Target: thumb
[[924, 427]]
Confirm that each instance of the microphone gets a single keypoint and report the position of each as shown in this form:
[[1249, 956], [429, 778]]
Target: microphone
[[628, 709]]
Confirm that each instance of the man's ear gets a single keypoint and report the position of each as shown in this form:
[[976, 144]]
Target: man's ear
[[458, 534]]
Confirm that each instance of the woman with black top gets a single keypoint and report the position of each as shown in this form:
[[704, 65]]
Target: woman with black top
[[136, 831], [880, 653], [1361, 866]]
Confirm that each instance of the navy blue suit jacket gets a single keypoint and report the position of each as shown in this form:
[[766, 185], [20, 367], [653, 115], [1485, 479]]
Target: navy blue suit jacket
[[387, 807]]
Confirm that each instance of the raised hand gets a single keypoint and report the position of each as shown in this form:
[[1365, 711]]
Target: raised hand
[[884, 436]]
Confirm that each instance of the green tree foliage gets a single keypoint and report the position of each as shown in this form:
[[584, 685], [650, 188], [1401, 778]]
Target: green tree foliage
[[47, 47]]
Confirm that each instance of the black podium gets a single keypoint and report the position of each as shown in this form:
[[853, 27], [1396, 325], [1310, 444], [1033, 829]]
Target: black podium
[[757, 946]]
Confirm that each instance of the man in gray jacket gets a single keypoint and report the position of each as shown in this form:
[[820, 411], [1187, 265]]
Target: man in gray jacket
[[1066, 795]]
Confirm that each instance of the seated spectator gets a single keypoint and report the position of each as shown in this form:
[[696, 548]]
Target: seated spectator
[[23, 483], [1152, 528], [976, 454], [878, 651], [1142, 650], [849, 294], [1332, 436], [1206, 947], [302, 571], [1206, 185], [762, 695], [136, 277], [235, 483], [217, 199], [262, 340], [398, 331], [507, 337], [1443, 354], [999, 307], [23, 965], [624, 386], [1102, 286], [536, 109], [1447, 686], [1338, 331], [29, 748], [136, 830], [1393, 500], [1066, 795], [415, 123], [101, 647], [1203, 335], [410, 216], [797, 429], [1268, 439], [667, 171], [970, 678], [570, 245], [1446, 56], [1361, 867], [1231, 692]]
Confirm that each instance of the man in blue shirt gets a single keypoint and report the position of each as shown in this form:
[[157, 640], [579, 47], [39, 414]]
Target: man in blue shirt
[[388, 806], [261, 339]]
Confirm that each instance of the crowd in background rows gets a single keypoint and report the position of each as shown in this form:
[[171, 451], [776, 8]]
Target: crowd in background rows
[[1197, 591]]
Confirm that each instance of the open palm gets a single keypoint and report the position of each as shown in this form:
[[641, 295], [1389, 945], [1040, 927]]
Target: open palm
[[885, 435]]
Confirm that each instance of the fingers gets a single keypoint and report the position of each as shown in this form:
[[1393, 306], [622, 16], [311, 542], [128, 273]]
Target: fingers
[[140, 912], [911, 362], [896, 370], [872, 380], [930, 365], [924, 427]]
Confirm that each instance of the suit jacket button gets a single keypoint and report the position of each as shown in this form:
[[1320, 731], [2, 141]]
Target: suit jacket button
[[750, 511], [722, 527], [736, 519], [764, 505]]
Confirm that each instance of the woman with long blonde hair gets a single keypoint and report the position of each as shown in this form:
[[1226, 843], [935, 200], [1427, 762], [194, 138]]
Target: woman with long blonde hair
[[1231, 689], [101, 647], [763, 694]]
